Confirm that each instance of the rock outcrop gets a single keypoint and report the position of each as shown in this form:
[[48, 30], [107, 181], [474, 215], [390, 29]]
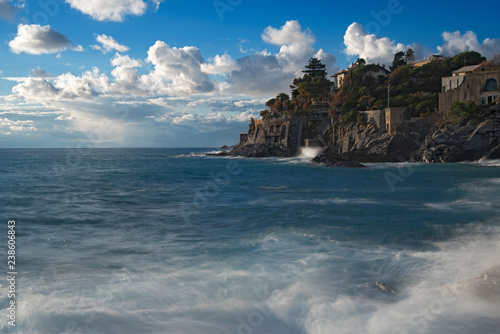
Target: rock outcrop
[[455, 143], [422, 142], [261, 150], [328, 157], [350, 145]]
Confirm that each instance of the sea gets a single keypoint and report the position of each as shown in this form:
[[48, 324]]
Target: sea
[[145, 241]]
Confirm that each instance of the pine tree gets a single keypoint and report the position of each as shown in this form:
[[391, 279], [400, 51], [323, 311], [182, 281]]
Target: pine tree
[[315, 68], [410, 55]]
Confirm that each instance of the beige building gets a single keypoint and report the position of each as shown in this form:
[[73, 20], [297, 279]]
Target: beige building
[[338, 78], [475, 83], [387, 119], [393, 118]]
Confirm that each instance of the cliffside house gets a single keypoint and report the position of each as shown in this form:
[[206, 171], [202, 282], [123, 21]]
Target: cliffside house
[[477, 83], [376, 71], [338, 78]]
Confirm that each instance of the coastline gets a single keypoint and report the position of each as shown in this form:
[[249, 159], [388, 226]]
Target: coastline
[[421, 142]]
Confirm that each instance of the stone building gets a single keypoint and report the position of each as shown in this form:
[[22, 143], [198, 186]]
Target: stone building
[[393, 118], [338, 78], [286, 131], [386, 120], [475, 83], [376, 71]]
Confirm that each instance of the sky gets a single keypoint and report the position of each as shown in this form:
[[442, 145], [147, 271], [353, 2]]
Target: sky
[[177, 73]]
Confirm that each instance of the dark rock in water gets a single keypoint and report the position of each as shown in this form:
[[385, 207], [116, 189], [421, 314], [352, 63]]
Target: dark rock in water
[[224, 147], [335, 160], [219, 154], [261, 151], [440, 153], [384, 287]]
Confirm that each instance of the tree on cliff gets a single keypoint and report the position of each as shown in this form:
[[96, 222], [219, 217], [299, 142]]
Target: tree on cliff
[[314, 85], [465, 59], [280, 103], [315, 68], [410, 55], [399, 60], [360, 62]]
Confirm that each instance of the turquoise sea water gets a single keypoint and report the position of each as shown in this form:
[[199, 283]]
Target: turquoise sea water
[[172, 241]]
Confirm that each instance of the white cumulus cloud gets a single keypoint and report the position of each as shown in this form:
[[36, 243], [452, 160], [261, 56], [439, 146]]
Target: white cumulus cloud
[[126, 76], [108, 44], [455, 42], [265, 74], [221, 65], [176, 70], [111, 10], [370, 47], [35, 39]]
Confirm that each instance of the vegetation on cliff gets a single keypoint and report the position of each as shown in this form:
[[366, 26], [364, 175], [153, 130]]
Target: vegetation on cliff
[[313, 86], [416, 88]]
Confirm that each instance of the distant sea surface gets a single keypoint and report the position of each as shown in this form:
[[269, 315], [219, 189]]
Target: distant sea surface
[[146, 241]]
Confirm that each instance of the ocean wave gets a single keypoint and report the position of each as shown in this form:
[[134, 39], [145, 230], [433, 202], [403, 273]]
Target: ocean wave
[[309, 202], [488, 163], [461, 204]]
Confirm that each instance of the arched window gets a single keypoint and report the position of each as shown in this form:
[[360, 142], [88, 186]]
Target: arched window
[[491, 86], [283, 132]]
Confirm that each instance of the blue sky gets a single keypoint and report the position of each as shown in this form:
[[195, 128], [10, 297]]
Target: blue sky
[[171, 73]]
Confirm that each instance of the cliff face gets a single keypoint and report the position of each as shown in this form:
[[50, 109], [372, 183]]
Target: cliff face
[[345, 144], [420, 142], [456, 143]]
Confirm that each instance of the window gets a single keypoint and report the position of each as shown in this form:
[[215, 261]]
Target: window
[[444, 89], [484, 100], [491, 86]]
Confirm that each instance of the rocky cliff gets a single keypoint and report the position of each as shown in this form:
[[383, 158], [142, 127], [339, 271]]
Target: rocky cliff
[[420, 141]]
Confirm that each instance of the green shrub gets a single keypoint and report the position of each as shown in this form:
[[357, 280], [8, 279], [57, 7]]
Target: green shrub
[[351, 116], [349, 106], [463, 110], [425, 106]]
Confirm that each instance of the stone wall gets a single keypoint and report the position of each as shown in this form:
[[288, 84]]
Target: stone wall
[[375, 117], [284, 131]]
